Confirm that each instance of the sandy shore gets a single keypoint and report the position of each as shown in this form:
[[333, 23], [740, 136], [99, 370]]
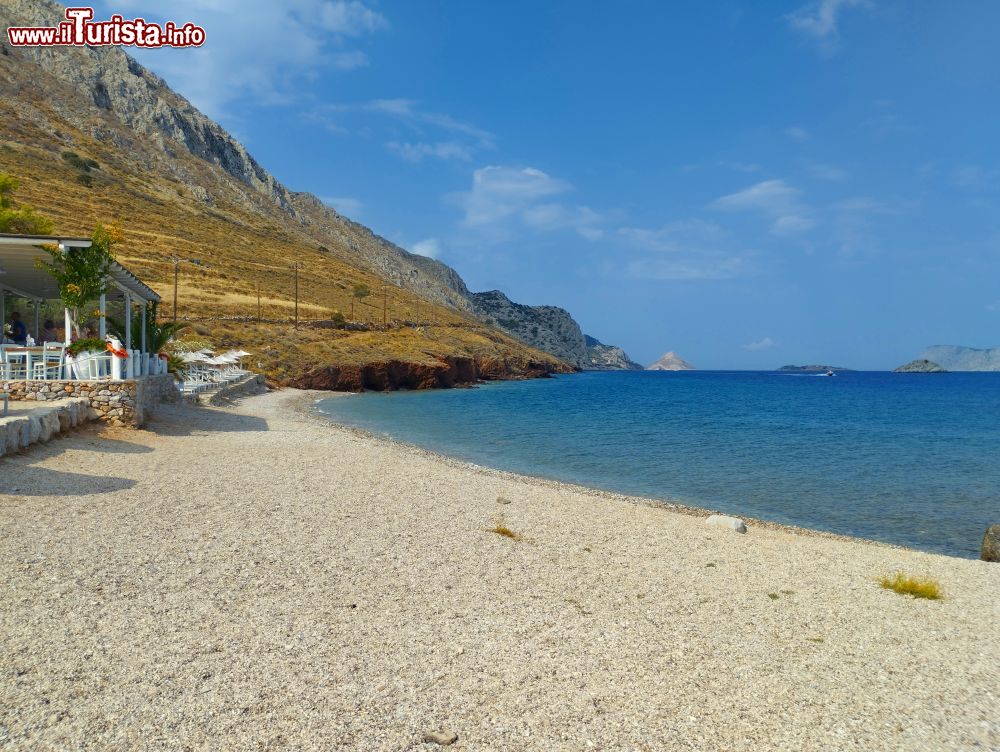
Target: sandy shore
[[251, 579]]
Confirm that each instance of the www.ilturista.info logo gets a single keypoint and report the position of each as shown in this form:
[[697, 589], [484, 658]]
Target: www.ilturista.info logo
[[78, 30]]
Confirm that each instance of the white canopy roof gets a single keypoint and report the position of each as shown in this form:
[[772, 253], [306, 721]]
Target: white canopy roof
[[19, 271]]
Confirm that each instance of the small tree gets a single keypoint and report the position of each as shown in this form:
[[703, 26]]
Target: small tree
[[24, 221], [359, 293], [82, 273]]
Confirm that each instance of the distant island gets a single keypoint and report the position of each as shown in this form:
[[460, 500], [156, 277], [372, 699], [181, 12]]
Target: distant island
[[920, 365], [813, 369], [671, 361], [959, 358]]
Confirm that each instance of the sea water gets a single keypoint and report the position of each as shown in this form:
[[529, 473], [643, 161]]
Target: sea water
[[911, 459]]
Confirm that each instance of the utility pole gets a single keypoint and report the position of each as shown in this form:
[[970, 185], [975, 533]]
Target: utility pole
[[295, 267], [176, 261]]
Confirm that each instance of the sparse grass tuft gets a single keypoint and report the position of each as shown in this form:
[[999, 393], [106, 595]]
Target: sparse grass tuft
[[710, 564], [501, 529], [817, 640], [773, 596], [918, 587]]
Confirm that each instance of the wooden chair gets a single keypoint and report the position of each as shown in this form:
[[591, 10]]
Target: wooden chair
[[52, 361]]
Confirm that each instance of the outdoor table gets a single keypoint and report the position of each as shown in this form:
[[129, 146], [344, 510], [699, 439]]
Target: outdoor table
[[29, 354]]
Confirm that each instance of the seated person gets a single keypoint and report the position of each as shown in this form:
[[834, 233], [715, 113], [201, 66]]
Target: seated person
[[49, 332], [18, 331]]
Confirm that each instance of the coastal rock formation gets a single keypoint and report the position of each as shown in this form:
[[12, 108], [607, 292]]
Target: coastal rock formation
[[812, 369], [547, 328], [958, 358], [920, 366], [601, 357], [671, 361], [990, 550], [397, 374]]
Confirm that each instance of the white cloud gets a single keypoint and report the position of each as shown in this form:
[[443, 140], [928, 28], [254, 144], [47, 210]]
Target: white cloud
[[256, 50], [499, 192], [552, 216], [974, 177], [438, 135], [430, 248], [777, 200], [763, 344], [994, 306], [685, 250], [797, 133], [668, 270], [350, 18], [345, 205], [791, 224], [819, 19], [674, 237], [824, 171], [440, 150], [592, 234]]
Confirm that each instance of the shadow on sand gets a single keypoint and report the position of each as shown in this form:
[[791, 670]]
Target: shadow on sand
[[187, 421], [40, 481]]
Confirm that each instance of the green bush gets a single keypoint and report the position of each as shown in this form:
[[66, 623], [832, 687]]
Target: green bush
[[83, 164], [87, 344]]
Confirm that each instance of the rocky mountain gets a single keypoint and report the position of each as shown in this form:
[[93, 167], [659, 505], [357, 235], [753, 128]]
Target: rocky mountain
[[812, 369], [601, 357], [958, 358], [920, 366], [193, 190], [548, 328], [671, 361], [119, 91]]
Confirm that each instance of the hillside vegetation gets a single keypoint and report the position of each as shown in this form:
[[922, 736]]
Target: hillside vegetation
[[80, 164]]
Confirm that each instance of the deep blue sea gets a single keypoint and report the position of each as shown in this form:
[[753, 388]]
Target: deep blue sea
[[912, 459]]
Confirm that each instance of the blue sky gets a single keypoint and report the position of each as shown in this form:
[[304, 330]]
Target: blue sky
[[749, 184]]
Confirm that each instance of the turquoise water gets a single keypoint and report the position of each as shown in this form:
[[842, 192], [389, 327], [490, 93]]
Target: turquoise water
[[912, 459]]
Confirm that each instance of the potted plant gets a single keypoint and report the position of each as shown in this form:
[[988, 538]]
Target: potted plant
[[81, 357]]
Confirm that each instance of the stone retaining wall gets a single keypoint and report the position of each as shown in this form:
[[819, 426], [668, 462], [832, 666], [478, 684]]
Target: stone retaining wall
[[119, 403], [18, 432]]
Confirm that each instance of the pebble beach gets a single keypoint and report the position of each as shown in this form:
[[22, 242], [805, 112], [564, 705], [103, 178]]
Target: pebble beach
[[255, 578]]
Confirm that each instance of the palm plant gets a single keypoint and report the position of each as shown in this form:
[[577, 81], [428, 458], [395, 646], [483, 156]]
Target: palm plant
[[157, 334]]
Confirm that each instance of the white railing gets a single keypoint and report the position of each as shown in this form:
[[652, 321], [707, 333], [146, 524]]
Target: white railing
[[19, 363]]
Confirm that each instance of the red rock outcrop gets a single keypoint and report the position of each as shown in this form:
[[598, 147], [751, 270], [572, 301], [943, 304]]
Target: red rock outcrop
[[447, 372]]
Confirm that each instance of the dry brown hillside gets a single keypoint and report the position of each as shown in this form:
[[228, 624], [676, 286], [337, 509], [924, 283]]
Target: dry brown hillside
[[237, 241]]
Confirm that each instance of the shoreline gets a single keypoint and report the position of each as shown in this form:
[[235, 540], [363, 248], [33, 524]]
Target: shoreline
[[256, 576], [307, 407]]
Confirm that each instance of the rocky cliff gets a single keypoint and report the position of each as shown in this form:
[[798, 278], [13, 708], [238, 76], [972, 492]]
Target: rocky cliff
[[670, 361], [548, 328], [601, 357], [958, 358]]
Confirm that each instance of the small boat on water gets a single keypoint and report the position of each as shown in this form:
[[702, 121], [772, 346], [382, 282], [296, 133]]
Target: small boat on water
[[829, 373]]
